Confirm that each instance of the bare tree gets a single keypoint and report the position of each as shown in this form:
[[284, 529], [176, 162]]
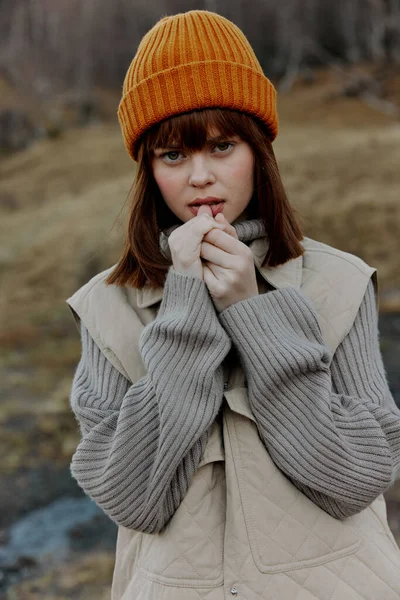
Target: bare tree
[[55, 44]]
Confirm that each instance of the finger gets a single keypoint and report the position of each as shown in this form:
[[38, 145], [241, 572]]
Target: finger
[[217, 256], [224, 240], [210, 275], [220, 218], [204, 222], [204, 210]]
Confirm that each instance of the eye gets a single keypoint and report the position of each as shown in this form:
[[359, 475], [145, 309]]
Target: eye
[[224, 147], [171, 157]]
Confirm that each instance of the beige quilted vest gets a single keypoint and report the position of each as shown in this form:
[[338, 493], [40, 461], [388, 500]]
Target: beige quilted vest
[[243, 530]]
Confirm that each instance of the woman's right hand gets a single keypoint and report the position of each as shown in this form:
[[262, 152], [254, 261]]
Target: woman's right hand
[[185, 242]]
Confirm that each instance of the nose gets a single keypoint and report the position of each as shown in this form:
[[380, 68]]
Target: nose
[[201, 173]]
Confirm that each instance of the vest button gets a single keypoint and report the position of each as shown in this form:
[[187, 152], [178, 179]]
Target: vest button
[[225, 385], [234, 591]]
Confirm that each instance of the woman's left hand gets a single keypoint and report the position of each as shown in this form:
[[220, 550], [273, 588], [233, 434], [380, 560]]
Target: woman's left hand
[[228, 269]]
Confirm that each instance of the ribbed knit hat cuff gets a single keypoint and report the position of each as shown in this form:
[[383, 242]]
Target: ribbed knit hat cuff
[[187, 87]]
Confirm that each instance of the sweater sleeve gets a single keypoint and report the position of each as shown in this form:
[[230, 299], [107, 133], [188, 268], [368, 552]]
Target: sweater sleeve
[[141, 443], [329, 423]]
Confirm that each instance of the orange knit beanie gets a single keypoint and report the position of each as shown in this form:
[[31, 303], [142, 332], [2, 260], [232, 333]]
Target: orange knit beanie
[[193, 60]]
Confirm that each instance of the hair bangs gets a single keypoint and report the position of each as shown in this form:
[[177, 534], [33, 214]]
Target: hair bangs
[[191, 131]]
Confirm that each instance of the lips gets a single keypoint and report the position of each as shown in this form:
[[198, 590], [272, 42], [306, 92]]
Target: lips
[[214, 207], [206, 200]]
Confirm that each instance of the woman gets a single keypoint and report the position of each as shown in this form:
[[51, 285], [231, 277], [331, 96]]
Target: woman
[[236, 420]]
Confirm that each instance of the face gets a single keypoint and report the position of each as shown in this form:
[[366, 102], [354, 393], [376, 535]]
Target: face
[[222, 170]]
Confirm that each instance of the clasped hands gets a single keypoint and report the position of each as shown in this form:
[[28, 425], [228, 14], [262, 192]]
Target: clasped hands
[[228, 264]]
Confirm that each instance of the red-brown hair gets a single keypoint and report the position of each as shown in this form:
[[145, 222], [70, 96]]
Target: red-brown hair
[[141, 260]]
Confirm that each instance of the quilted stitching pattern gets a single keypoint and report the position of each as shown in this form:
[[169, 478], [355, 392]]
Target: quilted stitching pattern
[[292, 530], [215, 554], [372, 572], [143, 588], [195, 557]]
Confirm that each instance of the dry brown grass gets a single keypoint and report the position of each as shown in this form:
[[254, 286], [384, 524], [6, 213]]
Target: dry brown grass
[[87, 577], [69, 193], [339, 161]]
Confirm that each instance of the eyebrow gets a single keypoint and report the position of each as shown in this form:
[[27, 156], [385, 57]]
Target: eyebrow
[[209, 142]]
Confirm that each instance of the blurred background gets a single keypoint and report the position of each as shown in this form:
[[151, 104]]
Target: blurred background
[[64, 180]]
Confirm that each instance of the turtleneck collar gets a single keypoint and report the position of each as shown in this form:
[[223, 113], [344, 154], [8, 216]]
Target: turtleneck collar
[[247, 230]]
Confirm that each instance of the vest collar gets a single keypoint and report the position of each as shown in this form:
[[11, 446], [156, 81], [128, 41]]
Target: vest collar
[[287, 275]]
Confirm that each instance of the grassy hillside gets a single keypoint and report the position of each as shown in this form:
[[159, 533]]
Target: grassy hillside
[[60, 199]]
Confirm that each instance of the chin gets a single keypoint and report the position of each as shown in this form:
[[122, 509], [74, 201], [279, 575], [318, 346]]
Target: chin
[[242, 217]]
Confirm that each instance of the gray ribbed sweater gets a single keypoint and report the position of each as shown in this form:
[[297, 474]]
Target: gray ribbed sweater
[[330, 424]]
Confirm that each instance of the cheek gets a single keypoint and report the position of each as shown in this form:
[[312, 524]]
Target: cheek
[[167, 182], [242, 172]]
